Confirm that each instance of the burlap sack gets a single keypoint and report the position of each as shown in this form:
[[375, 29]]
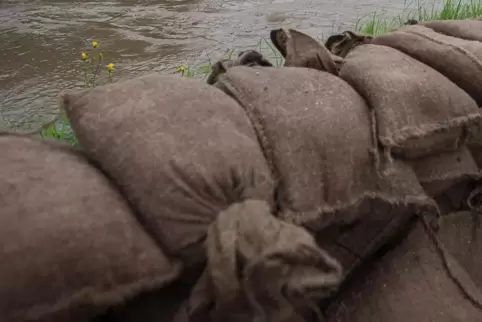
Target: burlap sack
[[261, 268], [245, 58], [70, 245], [316, 134], [450, 177], [160, 305], [353, 245], [458, 59], [475, 146], [179, 150], [412, 282], [418, 111], [461, 234], [341, 44], [301, 50], [465, 29]]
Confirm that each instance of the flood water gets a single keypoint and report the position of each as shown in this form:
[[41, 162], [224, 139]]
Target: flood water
[[41, 40]]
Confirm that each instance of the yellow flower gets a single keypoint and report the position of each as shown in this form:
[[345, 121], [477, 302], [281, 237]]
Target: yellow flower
[[84, 56], [95, 44], [110, 67], [181, 69]]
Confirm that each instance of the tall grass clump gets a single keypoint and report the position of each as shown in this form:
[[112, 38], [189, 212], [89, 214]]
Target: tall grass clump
[[377, 23]]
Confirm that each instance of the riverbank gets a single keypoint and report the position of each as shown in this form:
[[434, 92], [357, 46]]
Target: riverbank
[[372, 24]]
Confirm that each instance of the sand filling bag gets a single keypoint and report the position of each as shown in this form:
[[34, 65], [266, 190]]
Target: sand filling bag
[[71, 246], [316, 133], [421, 279], [458, 59], [418, 112], [260, 267], [465, 29], [179, 150]]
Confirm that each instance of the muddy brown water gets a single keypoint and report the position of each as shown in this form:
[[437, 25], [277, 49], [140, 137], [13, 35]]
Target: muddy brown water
[[41, 40]]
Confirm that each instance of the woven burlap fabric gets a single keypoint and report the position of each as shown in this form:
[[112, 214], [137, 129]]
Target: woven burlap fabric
[[260, 267], [245, 58], [465, 29], [159, 305], [438, 174], [413, 281], [418, 111], [179, 150], [458, 59], [355, 244], [301, 50], [341, 44], [474, 143], [316, 133], [461, 234], [71, 246]]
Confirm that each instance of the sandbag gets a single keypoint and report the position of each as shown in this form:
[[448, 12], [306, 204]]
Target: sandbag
[[261, 268], [355, 244], [300, 50], [457, 59], [159, 305], [341, 44], [418, 111], [411, 282], [71, 246], [438, 174], [474, 144], [245, 58], [179, 150], [465, 29], [316, 133], [461, 234]]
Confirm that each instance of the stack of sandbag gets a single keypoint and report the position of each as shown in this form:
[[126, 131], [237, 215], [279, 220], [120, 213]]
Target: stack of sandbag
[[435, 43], [424, 89], [318, 136], [418, 118], [255, 198], [187, 158], [423, 277], [423, 85], [71, 247]]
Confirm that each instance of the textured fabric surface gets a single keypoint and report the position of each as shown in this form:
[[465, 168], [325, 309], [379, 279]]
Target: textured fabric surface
[[260, 267], [418, 111], [436, 50], [179, 150], [355, 244], [70, 245], [465, 29], [245, 58], [439, 173], [316, 133], [461, 234], [301, 50], [341, 44], [273, 188], [409, 283]]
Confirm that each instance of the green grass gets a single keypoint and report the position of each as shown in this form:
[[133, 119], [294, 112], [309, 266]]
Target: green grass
[[373, 24], [377, 23]]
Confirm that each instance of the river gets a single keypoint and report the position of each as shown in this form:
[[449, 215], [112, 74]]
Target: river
[[41, 40]]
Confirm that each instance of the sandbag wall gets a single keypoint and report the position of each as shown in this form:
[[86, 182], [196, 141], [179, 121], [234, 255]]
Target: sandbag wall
[[227, 181]]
